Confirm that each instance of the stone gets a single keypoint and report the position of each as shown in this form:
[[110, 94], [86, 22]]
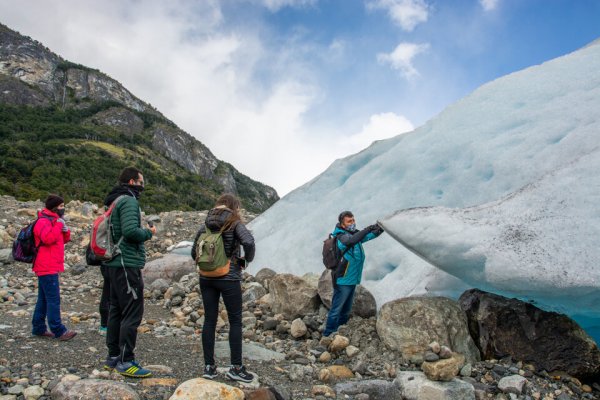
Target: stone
[[445, 352], [259, 394], [160, 285], [88, 389], [444, 369], [298, 328], [16, 389], [374, 389], [264, 276], [410, 324], [205, 389], [171, 267], [325, 357], [351, 351], [33, 392], [550, 341], [414, 385], [340, 372], [430, 356], [149, 382], [322, 390], [253, 291], [512, 384], [6, 255], [251, 351], [292, 296], [339, 343], [363, 305], [435, 347]]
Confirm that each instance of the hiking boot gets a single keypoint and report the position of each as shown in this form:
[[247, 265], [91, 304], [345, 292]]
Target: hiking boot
[[132, 369], [210, 372], [102, 330], [45, 334], [68, 335], [111, 363], [238, 373]]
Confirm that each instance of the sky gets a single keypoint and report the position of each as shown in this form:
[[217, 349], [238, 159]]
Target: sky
[[282, 88]]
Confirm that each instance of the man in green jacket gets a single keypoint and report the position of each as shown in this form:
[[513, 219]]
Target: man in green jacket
[[125, 274]]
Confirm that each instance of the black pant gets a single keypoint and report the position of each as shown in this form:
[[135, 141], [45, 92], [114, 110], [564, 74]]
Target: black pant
[[105, 298], [211, 290], [125, 313]]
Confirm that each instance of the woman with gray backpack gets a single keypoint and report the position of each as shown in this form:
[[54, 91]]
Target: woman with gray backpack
[[217, 254]]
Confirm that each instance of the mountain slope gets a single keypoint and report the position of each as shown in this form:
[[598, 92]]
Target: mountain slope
[[69, 128]]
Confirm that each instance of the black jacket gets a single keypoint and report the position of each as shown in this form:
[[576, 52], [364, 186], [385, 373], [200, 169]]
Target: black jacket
[[232, 239]]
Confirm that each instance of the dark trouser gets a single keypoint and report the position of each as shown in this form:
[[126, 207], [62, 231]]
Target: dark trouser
[[211, 290], [125, 313], [105, 299], [341, 305], [48, 305]]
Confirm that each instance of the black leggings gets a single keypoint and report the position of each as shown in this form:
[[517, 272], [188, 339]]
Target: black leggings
[[231, 291]]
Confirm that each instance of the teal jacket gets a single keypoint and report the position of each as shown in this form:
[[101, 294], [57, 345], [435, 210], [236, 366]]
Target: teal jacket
[[350, 271], [126, 219]]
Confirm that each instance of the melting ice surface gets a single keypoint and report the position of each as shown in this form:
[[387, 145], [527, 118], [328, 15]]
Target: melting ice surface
[[510, 172]]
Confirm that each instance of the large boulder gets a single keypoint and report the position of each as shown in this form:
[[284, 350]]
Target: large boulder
[[204, 389], [551, 341], [363, 305], [293, 296], [264, 276], [411, 323], [170, 267], [89, 389]]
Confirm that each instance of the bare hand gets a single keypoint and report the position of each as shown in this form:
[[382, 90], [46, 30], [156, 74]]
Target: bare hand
[[152, 229]]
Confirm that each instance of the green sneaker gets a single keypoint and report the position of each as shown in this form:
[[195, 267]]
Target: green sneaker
[[132, 369]]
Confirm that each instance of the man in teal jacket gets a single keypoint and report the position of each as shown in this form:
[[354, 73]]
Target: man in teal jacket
[[126, 286], [348, 274]]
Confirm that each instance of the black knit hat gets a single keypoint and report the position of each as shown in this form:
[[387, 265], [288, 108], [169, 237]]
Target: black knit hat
[[53, 201]]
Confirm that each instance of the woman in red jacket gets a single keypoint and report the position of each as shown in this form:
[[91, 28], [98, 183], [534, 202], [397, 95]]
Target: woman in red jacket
[[50, 233]]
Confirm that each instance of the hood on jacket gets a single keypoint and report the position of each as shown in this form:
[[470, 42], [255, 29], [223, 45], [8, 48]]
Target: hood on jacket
[[117, 191]]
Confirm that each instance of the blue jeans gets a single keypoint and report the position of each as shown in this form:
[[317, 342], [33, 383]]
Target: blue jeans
[[48, 306], [341, 305]]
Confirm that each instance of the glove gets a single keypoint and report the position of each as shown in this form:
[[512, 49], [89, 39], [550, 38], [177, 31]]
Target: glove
[[64, 224], [376, 229]]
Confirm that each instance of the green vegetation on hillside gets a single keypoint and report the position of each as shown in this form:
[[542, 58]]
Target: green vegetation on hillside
[[49, 150]]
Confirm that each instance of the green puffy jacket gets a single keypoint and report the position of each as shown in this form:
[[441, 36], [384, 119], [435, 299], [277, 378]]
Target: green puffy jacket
[[126, 221]]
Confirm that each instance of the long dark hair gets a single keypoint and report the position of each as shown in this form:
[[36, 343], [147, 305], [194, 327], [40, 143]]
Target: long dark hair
[[233, 203]]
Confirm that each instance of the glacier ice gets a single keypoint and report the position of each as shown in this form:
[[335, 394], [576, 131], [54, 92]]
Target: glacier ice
[[508, 134]]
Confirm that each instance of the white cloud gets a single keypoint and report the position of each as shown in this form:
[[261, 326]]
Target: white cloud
[[401, 58], [405, 13], [489, 5], [380, 126]]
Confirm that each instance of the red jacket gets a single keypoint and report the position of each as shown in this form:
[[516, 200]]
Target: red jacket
[[50, 258]]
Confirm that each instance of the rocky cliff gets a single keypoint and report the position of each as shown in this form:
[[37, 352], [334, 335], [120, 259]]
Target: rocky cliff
[[33, 76]]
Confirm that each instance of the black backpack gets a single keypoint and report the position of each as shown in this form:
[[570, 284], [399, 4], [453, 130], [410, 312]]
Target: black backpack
[[24, 248], [331, 252]]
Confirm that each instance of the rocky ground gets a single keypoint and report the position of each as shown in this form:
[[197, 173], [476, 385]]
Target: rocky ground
[[286, 352]]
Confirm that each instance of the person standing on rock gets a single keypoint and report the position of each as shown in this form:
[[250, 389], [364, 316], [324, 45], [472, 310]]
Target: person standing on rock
[[125, 274], [50, 235], [348, 274], [225, 217]]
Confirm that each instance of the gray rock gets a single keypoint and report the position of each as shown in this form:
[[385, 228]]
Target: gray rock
[[410, 324], [292, 296], [264, 276], [512, 384], [88, 389], [253, 291], [6, 255], [159, 284], [375, 389], [416, 386], [251, 351], [170, 267]]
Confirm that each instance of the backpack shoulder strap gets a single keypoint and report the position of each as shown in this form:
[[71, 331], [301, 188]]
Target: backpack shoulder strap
[[347, 247]]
